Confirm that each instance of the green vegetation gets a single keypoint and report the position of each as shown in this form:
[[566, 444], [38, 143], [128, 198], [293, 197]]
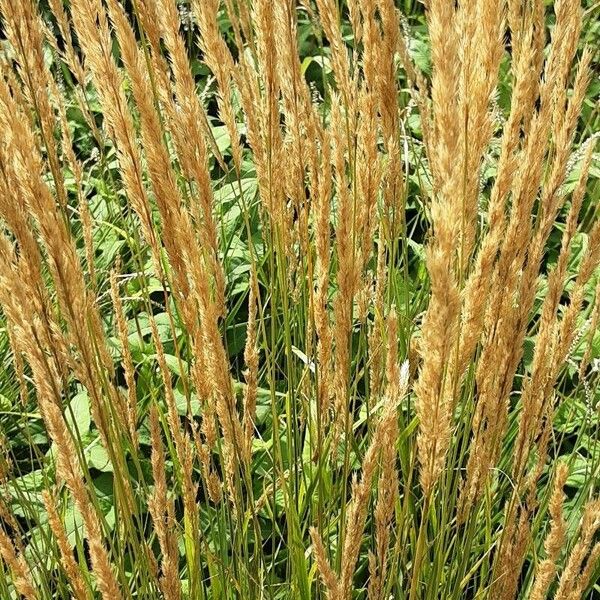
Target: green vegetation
[[299, 299]]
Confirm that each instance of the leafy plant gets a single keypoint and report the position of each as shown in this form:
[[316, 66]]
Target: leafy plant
[[300, 300]]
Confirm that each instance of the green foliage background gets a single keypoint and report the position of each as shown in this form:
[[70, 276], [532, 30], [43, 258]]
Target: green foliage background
[[25, 443]]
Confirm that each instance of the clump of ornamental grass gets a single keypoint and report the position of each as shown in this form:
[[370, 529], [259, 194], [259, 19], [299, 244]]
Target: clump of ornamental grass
[[290, 326]]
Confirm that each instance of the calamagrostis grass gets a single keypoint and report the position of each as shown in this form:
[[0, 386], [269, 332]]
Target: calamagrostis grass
[[342, 211]]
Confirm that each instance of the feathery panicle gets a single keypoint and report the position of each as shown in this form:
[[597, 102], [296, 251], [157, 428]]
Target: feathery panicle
[[329, 17], [330, 579], [22, 575], [555, 539], [218, 58], [572, 580], [95, 42], [162, 514], [251, 372], [78, 584], [388, 483]]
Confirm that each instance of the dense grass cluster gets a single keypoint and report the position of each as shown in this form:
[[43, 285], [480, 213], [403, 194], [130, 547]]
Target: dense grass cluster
[[299, 299]]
